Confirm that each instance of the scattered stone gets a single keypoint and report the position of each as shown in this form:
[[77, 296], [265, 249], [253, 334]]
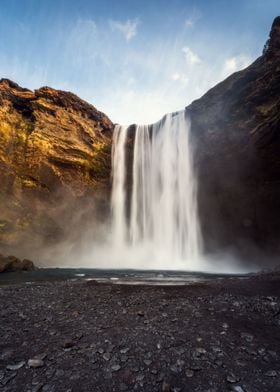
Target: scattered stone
[[68, 343], [236, 388], [116, 368], [16, 366], [147, 362], [200, 350], [189, 373], [124, 350], [231, 378], [106, 356], [271, 373], [247, 336], [35, 363]]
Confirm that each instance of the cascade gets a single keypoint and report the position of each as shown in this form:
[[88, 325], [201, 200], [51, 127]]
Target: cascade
[[160, 213]]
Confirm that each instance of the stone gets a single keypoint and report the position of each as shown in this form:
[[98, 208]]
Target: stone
[[200, 350], [231, 378], [35, 363], [237, 388], [27, 265], [189, 373], [106, 356], [15, 366], [271, 373], [68, 343], [116, 368]]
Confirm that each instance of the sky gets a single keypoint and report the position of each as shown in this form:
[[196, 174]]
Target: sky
[[135, 60]]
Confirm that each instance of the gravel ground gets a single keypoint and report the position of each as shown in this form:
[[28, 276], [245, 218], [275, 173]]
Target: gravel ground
[[221, 335]]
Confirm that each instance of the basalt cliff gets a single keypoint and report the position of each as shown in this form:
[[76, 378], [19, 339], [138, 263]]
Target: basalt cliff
[[236, 128], [55, 161]]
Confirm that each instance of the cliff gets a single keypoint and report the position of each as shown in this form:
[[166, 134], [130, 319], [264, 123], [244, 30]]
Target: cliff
[[236, 129], [54, 161]]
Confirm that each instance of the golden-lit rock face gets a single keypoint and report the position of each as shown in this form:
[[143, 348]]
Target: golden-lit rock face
[[54, 147]]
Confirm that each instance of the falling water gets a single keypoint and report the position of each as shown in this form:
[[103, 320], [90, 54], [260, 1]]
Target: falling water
[[159, 215]]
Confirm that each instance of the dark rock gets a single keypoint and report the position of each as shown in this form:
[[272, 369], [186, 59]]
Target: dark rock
[[165, 387], [27, 265], [235, 129]]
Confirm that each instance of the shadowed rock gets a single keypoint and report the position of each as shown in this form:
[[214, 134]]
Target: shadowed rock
[[236, 129]]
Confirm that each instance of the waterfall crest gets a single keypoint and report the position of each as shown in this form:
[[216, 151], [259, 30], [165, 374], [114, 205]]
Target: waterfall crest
[[159, 215]]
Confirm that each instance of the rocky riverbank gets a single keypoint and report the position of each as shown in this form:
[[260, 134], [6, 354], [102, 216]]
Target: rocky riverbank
[[218, 335]]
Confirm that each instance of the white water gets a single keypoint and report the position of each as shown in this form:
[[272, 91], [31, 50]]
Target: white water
[[159, 224]]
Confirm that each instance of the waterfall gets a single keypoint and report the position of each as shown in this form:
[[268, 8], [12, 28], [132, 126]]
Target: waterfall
[[159, 214]]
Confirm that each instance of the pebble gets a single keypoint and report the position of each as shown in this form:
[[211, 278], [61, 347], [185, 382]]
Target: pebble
[[106, 356], [16, 366], [124, 350], [247, 336], [116, 368], [237, 388], [271, 373], [232, 378], [189, 373], [200, 350], [35, 363]]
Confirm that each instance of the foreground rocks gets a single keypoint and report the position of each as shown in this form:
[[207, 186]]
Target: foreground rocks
[[223, 335], [13, 264]]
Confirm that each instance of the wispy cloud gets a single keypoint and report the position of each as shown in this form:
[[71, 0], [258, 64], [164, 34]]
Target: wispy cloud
[[128, 28], [181, 78], [236, 63], [192, 19], [191, 57]]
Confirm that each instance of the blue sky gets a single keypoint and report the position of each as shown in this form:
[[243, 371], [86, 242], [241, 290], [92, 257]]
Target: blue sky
[[134, 60]]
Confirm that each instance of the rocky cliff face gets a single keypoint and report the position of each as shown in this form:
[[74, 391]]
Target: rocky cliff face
[[236, 128], [54, 161]]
